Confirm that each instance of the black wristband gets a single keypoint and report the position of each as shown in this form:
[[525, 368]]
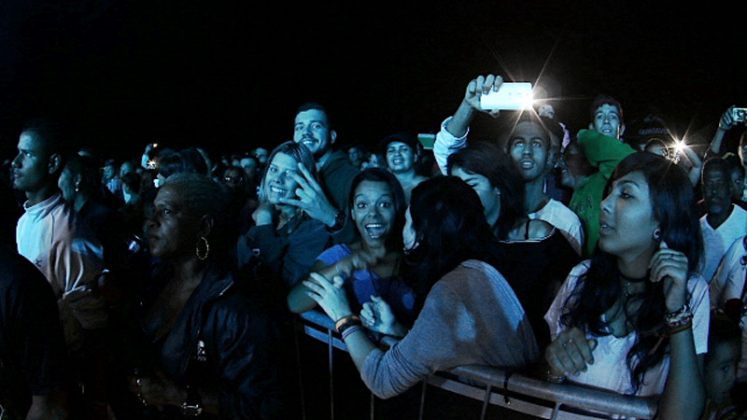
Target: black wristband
[[339, 221]]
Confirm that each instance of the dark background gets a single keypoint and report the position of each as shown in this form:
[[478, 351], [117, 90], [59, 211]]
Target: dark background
[[229, 74]]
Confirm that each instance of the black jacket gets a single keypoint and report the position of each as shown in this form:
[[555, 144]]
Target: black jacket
[[223, 341]]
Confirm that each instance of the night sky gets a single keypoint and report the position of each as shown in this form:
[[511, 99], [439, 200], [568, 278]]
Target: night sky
[[229, 74]]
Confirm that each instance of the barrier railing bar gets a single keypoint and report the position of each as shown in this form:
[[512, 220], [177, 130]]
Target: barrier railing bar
[[422, 400], [485, 402], [587, 399], [330, 355], [566, 394], [302, 394], [472, 392]]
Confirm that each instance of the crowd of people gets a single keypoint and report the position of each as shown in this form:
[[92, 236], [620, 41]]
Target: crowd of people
[[172, 281]]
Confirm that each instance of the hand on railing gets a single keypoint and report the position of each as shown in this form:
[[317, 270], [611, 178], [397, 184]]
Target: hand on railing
[[329, 295], [570, 353], [377, 316]]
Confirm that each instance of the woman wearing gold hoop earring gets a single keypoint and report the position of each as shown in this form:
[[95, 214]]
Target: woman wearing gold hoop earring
[[207, 348]]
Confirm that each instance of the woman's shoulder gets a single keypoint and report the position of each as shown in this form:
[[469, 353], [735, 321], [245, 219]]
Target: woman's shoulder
[[534, 230], [334, 253]]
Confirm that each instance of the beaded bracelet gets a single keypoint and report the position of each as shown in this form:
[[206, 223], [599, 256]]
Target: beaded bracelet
[[679, 317], [674, 330]]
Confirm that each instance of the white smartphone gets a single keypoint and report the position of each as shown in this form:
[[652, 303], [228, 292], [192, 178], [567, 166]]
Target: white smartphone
[[511, 96], [739, 115]]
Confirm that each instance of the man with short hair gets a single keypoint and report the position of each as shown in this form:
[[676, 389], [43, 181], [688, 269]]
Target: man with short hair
[[532, 162], [724, 222], [603, 149], [46, 234], [327, 202]]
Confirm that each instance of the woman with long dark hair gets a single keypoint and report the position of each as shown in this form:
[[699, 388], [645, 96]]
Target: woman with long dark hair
[[537, 255], [470, 314], [634, 319]]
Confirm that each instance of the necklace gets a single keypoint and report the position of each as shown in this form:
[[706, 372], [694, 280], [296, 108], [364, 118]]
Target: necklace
[[630, 284]]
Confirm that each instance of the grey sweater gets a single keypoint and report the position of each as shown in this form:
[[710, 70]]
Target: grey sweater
[[470, 316]]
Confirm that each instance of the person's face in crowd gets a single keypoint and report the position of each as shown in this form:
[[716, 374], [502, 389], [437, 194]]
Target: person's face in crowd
[[716, 191], [278, 182], [657, 149], [409, 239], [355, 156], [607, 121], [721, 371], [126, 168], [66, 183], [233, 178], [312, 130], [529, 147], [573, 166], [373, 212], [627, 223], [30, 168], [547, 111], [490, 196], [743, 153], [250, 167], [399, 157], [109, 171], [261, 154], [171, 230], [737, 184], [375, 161]]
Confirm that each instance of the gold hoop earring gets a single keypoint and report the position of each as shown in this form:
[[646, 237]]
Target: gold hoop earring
[[657, 234], [202, 256]]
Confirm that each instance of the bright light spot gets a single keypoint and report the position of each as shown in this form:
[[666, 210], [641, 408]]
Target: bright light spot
[[679, 146], [527, 101]]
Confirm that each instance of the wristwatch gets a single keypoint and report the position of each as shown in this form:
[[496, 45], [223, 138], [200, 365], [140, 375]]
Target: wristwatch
[[192, 407], [339, 221]]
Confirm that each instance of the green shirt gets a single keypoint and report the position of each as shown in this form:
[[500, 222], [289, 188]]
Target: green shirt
[[604, 153]]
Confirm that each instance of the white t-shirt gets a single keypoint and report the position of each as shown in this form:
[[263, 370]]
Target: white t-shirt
[[610, 369], [728, 283], [717, 241], [447, 144], [563, 219], [46, 236]]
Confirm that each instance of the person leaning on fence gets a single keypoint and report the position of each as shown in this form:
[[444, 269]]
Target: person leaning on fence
[[634, 319], [540, 255], [371, 265], [470, 314]]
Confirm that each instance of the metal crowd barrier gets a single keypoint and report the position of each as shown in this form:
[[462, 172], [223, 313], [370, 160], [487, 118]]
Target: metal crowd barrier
[[497, 387]]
